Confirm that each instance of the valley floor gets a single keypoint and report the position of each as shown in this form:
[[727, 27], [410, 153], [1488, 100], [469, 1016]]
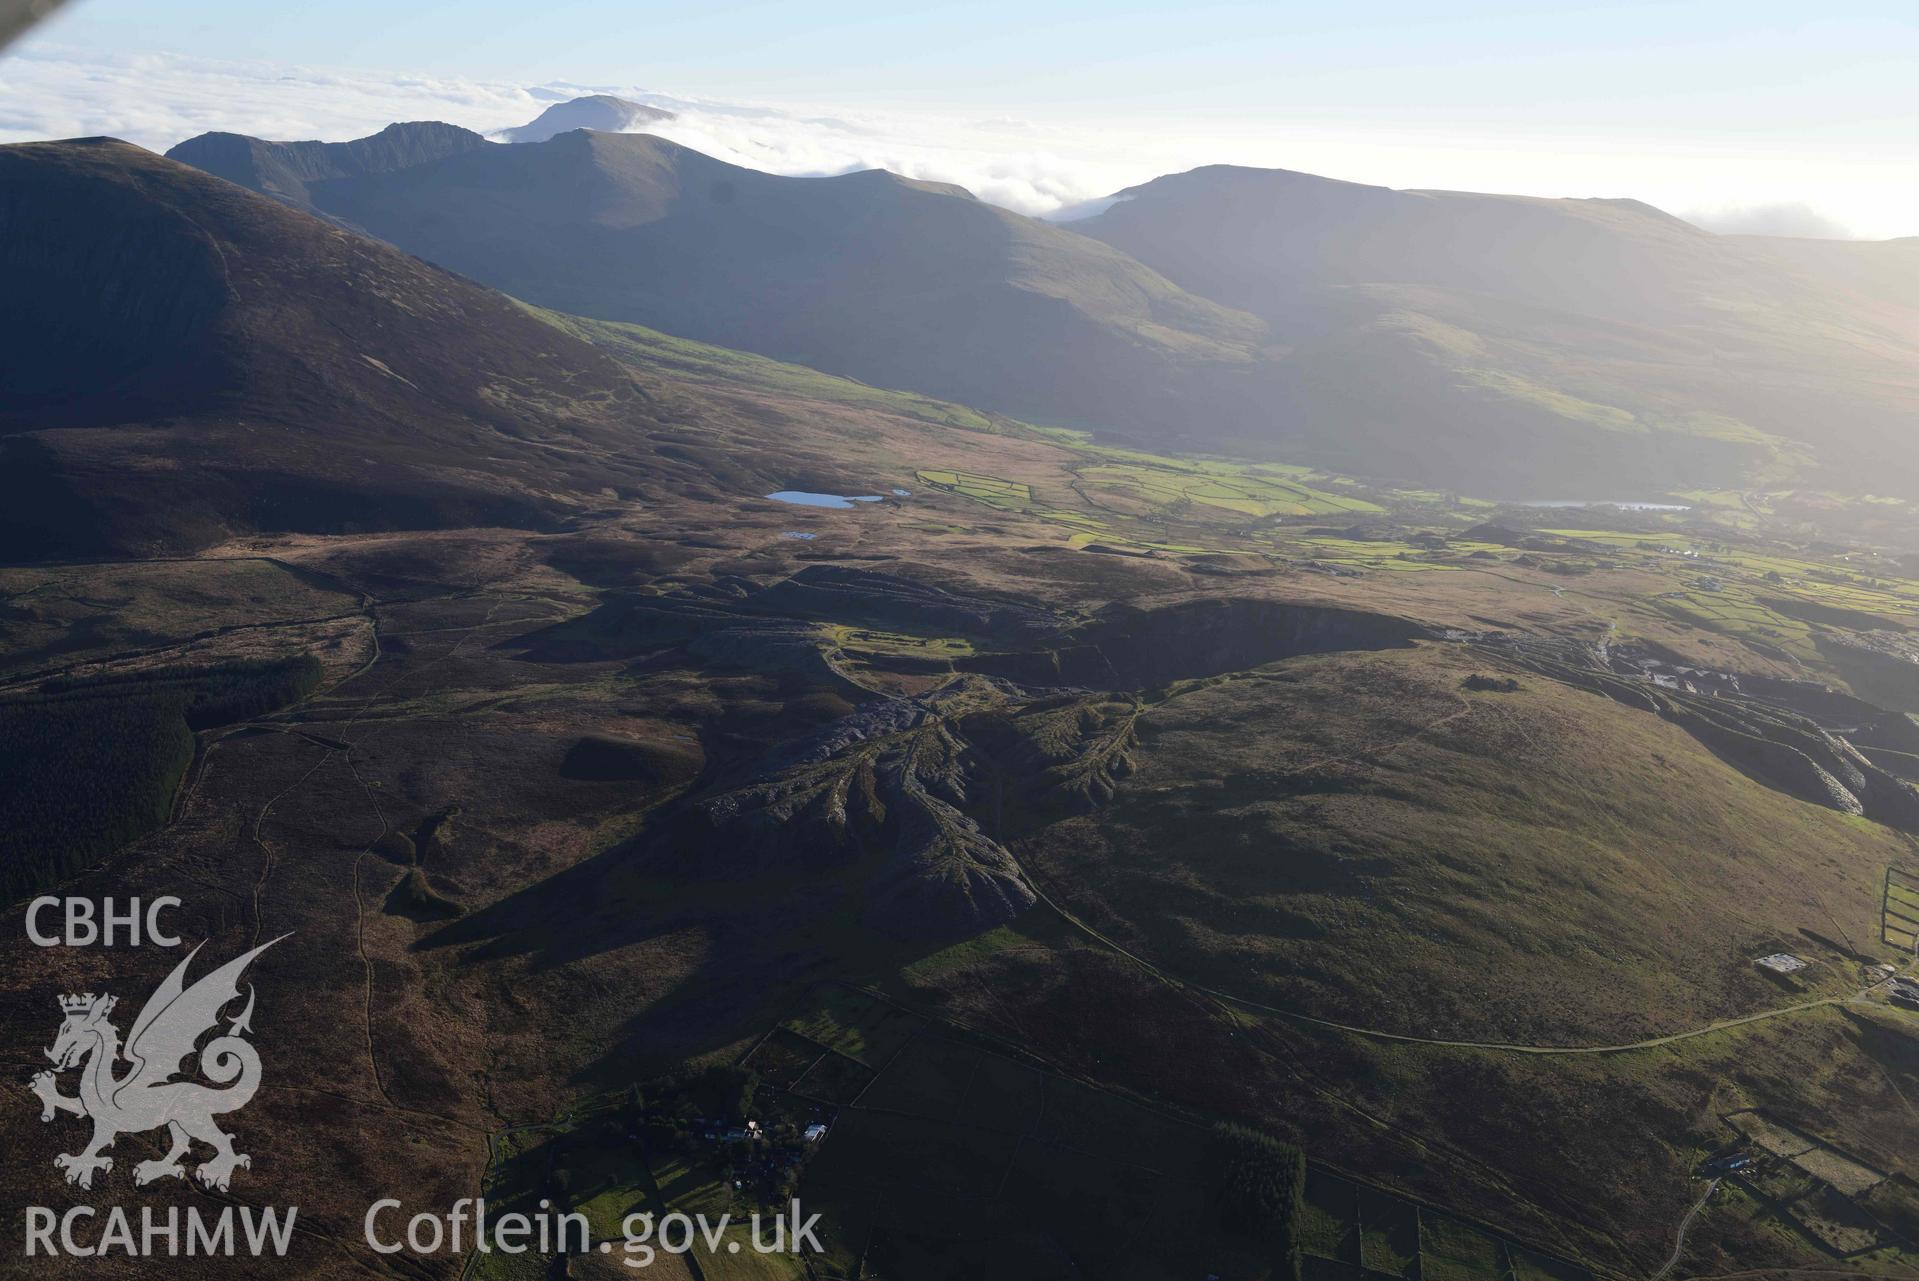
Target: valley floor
[[1320, 854]]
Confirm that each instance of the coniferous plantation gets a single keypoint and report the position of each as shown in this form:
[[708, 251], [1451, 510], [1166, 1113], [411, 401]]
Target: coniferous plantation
[[1261, 1190], [1288, 650], [93, 763]]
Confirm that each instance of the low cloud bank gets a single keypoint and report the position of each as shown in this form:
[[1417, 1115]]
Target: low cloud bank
[[1799, 220], [157, 100]]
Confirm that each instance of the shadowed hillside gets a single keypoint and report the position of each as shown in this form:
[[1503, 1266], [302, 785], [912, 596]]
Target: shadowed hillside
[[186, 360], [897, 282], [1502, 346]]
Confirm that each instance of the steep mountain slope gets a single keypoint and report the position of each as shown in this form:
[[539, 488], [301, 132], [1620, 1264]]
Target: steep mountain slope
[[1503, 346], [900, 283], [1567, 330], [186, 360], [600, 111]]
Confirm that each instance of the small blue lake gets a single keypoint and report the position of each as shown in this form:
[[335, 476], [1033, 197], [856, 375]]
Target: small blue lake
[[802, 498], [1624, 504]]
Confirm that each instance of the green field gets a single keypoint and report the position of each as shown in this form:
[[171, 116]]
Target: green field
[[702, 362], [1164, 485], [1901, 925], [1356, 1226]]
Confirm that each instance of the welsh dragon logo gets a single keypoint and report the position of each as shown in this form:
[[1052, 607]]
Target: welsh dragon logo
[[146, 1096]]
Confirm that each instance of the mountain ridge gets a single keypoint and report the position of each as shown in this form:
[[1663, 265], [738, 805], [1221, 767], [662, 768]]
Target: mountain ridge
[[1755, 358], [1508, 346], [283, 169], [1010, 314]]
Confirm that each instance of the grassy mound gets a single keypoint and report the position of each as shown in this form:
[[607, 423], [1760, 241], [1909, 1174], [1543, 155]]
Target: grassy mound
[[1360, 838]]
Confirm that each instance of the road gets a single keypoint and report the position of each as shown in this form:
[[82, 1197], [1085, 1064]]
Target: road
[[1685, 1225]]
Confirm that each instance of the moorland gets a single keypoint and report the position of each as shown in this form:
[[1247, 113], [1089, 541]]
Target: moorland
[[1074, 828]]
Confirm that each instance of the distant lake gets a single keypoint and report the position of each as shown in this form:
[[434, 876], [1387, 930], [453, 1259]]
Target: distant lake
[[802, 498], [1621, 503]]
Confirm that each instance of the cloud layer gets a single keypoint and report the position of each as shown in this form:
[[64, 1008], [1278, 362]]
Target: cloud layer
[[156, 100], [1791, 219]]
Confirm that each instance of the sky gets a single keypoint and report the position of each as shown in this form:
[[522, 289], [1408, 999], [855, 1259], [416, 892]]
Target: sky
[[1753, 116]]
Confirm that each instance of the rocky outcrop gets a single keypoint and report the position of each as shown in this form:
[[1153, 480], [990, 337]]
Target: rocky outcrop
[[889, 807], [1068, 752]]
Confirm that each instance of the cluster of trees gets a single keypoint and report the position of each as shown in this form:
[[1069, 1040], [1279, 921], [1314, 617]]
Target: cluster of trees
[[79, 778], [673, 1106], [1261, 1190], [688, 1110], [208, 696], [88, 766]]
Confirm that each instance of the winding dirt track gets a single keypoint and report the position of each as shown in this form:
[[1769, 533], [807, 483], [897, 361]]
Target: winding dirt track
[[346, 754], [1685, 1226]]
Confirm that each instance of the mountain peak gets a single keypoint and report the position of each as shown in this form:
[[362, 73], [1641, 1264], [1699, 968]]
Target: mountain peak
[[601, 112], [1228, 180], [284, 169]]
